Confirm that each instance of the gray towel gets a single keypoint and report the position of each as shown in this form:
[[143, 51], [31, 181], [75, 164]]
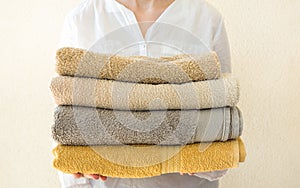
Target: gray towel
[[75, 125]]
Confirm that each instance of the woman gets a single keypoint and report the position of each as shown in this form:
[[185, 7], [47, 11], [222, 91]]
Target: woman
[[175, 26]]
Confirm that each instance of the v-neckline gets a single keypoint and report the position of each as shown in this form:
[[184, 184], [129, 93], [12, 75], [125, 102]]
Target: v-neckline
[[153, 23]]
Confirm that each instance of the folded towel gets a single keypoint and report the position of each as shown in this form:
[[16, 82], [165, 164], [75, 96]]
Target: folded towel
[[145, 161], [167, 69], [135, 96], [75, 125]]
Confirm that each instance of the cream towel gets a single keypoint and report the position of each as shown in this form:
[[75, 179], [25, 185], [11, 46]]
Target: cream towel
[[133, 96], [169, 69], [146, 161], [75, 125]]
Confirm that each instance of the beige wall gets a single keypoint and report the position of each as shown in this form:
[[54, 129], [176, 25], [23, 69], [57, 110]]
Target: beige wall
[[265, 43]]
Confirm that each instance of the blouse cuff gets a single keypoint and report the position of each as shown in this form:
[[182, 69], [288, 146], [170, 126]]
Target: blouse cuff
[[87, 185], [211, 176]]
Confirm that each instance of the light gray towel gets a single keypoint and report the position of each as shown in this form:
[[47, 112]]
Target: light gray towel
[[76, 125]]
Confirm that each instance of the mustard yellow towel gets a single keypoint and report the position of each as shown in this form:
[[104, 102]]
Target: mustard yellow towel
[[138, 161], [169, 69], [135, 96]]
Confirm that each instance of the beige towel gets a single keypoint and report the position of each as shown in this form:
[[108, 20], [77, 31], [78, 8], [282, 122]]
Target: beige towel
[[135, 96], [94, 126], [146, 161], [169, 69]]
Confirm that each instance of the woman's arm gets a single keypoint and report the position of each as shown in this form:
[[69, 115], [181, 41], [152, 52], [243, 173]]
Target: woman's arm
[[222, 47], [68, 34], [68, 38]]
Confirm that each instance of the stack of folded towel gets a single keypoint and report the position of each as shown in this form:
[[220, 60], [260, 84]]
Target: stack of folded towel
[[138, 116]]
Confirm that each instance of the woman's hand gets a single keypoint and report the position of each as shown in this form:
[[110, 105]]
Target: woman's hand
[[90, 176], [103, 178]]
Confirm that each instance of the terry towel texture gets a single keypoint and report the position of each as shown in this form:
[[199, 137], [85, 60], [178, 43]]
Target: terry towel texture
[[138, 116], [75, 125], [145, 161], [167, 69], [136, 96]]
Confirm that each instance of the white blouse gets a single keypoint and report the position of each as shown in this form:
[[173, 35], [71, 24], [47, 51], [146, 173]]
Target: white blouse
[[186, 26]]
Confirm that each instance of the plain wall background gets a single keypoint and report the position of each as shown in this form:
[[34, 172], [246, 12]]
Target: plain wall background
[[265, 44]]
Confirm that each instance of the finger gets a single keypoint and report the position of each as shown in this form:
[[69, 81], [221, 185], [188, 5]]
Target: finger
[[95, 176], [77, 175], [191, 174], [180, 173], [103, 178], [92, 176]]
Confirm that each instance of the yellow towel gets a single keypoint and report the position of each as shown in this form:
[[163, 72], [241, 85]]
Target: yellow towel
[[169, 69], [138, 161]]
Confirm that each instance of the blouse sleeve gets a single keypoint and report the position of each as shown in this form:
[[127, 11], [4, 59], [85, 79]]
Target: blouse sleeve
[[212, 176], [69, 181], [68, 34], [68, 39], [222, 48]]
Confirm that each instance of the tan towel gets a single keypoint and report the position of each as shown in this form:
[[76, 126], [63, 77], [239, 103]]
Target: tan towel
[[146, 161], [75, 125], [134, 96], [169, 69]]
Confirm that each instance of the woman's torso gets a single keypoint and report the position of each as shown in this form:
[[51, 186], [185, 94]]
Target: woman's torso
[[106, 26]]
